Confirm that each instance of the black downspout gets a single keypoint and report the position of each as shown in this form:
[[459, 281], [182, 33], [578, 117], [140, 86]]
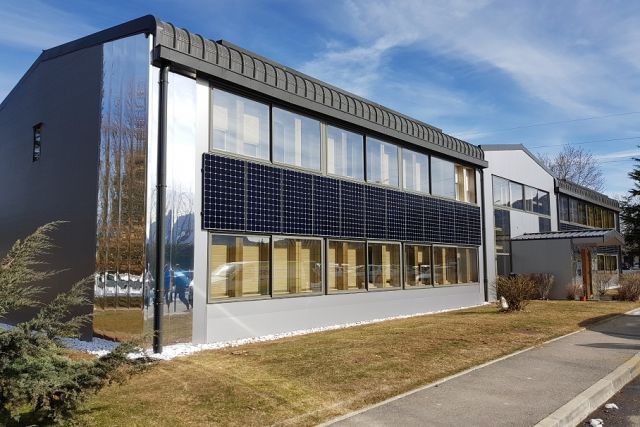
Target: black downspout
[[161, 190], [484, 237]]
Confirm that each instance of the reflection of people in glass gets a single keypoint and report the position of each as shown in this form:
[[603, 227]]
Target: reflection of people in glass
[[181, 284], [176, 283]]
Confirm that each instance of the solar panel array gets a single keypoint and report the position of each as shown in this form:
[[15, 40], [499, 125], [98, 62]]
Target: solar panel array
[[241, 195]]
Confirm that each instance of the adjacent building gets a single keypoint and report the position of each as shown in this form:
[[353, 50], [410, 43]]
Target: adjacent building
[[539, 224]]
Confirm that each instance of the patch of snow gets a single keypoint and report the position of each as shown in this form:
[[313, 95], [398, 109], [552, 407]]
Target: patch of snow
[[595, 422], [611, 406], [100, 347]]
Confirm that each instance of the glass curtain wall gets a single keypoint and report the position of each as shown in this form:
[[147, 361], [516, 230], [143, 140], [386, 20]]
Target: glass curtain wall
[[415, 171], [465, 184], [445, 265], [238, 266], [417, 266], [467, 265], [500, 192], [240, 125], [443, 182], [120, 240], [346, 266], [382, 162], [297, 266], [345, 153], [296, 139], [384, 265]]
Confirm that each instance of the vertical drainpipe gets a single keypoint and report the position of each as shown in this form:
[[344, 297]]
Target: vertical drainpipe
[[484, 238], [161, 190]]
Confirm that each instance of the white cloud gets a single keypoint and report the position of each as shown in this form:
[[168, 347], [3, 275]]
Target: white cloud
[[32, 24], [619, 155], [554, 53]]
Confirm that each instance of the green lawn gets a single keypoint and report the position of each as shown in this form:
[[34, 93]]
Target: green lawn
[[309, 379]]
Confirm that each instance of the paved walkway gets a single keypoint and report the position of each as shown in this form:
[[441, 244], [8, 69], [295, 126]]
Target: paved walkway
[[517, 391]]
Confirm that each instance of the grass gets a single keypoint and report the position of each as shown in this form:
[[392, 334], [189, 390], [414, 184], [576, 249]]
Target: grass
[[306, 380]]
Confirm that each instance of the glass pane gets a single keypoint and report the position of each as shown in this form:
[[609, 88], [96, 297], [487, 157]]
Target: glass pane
[[415, 171], [345, 153], [382, 162], [590, 216], [516, 194], [445, 266], [467, 265], [500, 191], [240, 125], [296, 139], [238, 266], [384, 265], [544, 225], [564, 208], [582, 213], [465, 184], [346, 266], [297, 266], [443, 182], [502, 221], [529, 196], [543, 203], [573, 210], [598, 217], [417, 266]]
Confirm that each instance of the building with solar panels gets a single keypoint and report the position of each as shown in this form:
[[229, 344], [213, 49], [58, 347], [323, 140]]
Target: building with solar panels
[[212, 194]]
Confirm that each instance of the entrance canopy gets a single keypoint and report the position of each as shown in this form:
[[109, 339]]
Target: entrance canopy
[[598, 237]]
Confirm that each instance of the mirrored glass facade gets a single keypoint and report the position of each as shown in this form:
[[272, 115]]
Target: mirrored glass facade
[[120, 252], [415, 170], [296, 139], [443, 182]]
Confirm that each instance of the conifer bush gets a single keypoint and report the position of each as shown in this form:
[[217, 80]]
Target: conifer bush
[[39, 382]]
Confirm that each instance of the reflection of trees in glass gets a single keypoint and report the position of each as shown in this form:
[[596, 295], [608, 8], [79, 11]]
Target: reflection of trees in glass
[[122, 173]]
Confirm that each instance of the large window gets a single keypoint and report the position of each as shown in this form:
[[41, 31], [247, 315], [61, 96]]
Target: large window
[[240, 125], [467, 265], [345, 153], [543, 205], [502, 222], [443, 182], [544, 225], [500, 191], [382, 162], [417, 266], [415, 171], [564, 208], [582, 213], [465, 184], [346, 266], [445, 265], [296, 139], [297, 266], [516, 192], [530, 198], [573, 210], [384, 265], [238, 266]]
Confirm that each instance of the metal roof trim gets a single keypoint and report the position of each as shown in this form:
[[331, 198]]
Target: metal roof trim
[[573, 235], [584, 193]]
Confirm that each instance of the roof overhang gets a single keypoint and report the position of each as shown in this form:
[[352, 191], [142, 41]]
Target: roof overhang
[[600, 237]]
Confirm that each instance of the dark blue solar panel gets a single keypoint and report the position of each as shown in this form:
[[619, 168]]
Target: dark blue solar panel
[[475, 226], [431, 217], [352, 208], [326, 206], [223, 193], [263, 198], [297, 202], [396, 205], [447, 212], [414, 211], [461, 233], [375, 205]]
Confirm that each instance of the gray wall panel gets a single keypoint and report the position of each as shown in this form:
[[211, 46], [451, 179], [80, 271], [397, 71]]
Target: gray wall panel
[[244, 319], [64, 94]]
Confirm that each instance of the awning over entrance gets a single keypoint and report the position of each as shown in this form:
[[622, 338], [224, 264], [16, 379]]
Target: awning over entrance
[[598, 237]]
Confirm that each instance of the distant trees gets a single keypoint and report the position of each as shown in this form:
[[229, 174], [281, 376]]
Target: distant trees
[[575, 164]]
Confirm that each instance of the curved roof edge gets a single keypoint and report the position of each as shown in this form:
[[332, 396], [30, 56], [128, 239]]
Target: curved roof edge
[[236, 64]]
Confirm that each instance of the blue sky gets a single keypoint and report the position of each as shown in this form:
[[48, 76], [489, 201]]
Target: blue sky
[[557, 72]]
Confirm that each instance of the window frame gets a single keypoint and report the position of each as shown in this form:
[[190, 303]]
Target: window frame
[[326, 269], [398, 162], [403, 184], [401, 261], [322, 268], [321, 134], [404, 265]]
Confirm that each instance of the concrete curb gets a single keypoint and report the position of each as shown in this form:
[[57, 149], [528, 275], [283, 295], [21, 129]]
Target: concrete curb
[[582, 405]]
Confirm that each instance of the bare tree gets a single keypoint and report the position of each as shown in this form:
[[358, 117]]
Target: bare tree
[[575, 164]]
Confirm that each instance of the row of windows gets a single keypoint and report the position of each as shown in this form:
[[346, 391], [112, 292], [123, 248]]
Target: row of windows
[[584, 213], [518, 196], [250, 128], [255, 266]]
